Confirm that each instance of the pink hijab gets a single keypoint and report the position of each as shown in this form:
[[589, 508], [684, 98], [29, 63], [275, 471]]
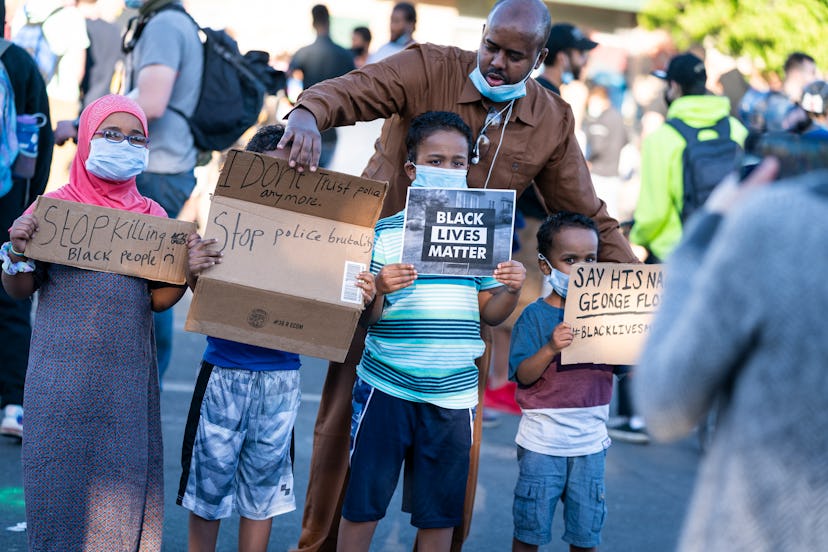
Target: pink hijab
[[84, 187]]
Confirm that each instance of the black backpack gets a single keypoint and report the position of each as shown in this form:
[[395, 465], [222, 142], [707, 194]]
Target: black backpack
[[232, 86], [705, 162]]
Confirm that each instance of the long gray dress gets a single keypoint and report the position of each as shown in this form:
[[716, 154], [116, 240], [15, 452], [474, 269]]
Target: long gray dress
[[92, 451]]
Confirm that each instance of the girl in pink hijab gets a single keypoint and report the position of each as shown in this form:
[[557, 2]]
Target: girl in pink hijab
[[103, 171], [92, 456]]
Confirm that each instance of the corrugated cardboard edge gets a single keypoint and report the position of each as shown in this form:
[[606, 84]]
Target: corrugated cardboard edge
[[232, 332]]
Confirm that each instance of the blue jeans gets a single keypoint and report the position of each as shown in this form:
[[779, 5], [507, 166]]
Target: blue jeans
[[170, 191], [577, 481]]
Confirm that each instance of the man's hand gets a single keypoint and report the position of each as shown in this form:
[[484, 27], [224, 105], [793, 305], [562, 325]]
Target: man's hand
[[64, 131], [394, 277], [306, 141], [511, 274]]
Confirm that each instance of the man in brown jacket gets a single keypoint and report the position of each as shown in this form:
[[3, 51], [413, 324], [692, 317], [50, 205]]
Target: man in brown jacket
[[525, 134]]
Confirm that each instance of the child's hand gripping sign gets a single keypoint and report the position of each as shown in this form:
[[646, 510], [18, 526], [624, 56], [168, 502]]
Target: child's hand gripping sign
[[609, 307]]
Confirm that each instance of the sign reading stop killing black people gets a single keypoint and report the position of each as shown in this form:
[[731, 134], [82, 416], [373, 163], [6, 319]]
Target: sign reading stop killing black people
[[458, 232], [609, 307]]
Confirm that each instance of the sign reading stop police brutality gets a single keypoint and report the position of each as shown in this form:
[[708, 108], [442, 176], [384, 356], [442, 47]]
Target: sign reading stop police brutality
[[458, 232], [609, 307]]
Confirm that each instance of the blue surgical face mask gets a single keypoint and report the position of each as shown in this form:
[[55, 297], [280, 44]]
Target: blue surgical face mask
[[567, 77], [502, 93], [116, 161], [557, 279], [433, 177], [133, 4]]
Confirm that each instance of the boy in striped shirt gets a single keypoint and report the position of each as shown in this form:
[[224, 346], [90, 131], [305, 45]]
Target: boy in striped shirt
[[417, 381]]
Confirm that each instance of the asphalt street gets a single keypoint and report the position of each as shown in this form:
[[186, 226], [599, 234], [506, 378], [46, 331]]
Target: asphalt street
[[647, 486]]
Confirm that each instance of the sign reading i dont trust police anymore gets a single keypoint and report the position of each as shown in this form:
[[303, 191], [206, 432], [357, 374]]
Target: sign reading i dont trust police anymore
[[458, 232]]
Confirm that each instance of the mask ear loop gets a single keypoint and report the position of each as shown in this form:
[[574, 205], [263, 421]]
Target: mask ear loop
[[500, 143]]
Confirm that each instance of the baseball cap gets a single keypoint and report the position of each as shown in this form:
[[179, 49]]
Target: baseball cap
[[815, 98], [564, 36], [685, 69]]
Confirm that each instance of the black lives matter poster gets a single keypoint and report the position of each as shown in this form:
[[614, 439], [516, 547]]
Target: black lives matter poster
[[458, 232]]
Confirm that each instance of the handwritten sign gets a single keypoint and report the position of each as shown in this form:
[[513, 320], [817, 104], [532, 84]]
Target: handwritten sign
[[293, 244], [271, 182], [110, 240], [458, 232], [610, 306], [285, 252]]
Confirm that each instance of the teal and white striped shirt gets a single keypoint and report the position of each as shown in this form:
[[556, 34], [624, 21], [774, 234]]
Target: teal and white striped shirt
[[424, 346]]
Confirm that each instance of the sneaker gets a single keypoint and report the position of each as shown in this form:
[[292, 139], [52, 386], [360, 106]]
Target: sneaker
[[12, 424], [629, 434]]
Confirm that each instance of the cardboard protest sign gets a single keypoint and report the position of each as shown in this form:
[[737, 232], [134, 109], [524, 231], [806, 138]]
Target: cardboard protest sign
[[110, 240], [293, 244], [610, 306], [458, 232]]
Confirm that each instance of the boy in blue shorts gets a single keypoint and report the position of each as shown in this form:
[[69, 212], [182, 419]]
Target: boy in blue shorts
[[562, 436], [416, 383], [236, 454]]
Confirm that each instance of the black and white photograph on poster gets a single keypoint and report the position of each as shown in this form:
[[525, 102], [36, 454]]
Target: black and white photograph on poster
[[458, 232]]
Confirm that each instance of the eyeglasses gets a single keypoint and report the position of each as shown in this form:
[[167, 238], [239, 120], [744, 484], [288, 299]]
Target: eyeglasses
[[481, 145], [116, 137]]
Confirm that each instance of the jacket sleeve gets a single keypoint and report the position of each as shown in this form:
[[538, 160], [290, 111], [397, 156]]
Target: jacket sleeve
[[565, 184], [376, 91], [656, 211], [706, 325]]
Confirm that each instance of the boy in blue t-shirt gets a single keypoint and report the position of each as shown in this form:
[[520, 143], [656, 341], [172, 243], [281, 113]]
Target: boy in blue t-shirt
[[417, 379], [236, 453], [562, 436]]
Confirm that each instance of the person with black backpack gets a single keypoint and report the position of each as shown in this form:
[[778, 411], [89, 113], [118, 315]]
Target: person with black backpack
[[681, 162], [164, 66]]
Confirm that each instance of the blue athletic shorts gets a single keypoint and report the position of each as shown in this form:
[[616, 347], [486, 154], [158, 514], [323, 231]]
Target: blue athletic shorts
[[236, 451], [432, 442], [576, 481]]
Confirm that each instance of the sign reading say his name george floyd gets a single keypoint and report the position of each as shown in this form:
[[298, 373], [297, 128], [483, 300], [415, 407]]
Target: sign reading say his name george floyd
[[110, 240], [293, 244], [610, 307], [458, 232]]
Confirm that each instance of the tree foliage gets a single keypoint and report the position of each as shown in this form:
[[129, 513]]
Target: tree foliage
[[766, 30]]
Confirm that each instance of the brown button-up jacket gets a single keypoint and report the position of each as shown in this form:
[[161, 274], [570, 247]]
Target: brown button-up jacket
[[538, 144]]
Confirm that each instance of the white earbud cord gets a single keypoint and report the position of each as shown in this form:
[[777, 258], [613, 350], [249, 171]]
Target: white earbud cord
[[500, 143]]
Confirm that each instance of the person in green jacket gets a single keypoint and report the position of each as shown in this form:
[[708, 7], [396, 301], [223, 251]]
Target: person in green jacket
[[658, 225], [657, 221]]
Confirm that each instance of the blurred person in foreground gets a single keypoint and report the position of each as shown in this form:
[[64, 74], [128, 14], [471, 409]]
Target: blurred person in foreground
[[525, 134], [744, 326]]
